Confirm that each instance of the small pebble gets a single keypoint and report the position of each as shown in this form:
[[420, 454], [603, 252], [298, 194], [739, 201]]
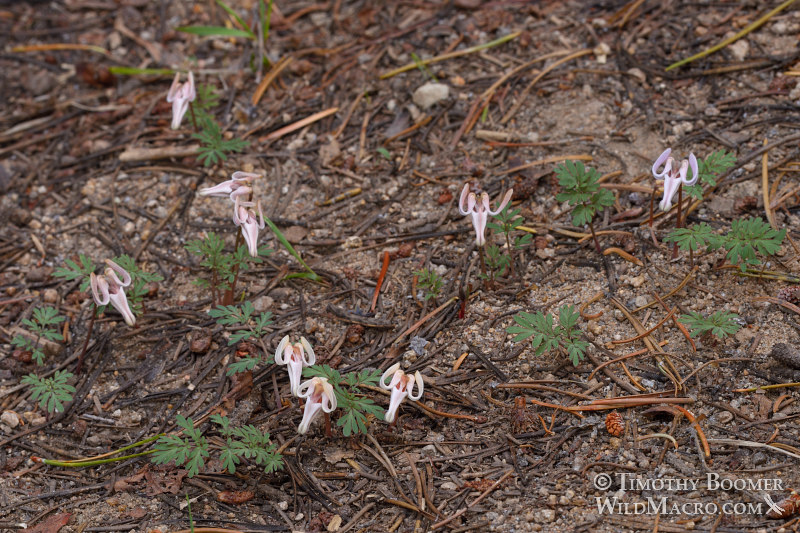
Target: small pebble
[[50, 296], [430, 93], [10, 418]]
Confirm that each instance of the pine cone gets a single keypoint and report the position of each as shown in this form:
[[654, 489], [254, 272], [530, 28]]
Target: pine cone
[[789, 294], [615, 424]]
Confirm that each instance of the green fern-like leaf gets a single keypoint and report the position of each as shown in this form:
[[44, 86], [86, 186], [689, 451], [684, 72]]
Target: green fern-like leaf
[[751, 236], [693, 237], [545, 336], [720, 324]]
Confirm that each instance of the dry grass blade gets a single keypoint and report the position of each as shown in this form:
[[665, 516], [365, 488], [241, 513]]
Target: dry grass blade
[[450, 55], [269, 78], [765, 189], [277, 134], [750, 27]]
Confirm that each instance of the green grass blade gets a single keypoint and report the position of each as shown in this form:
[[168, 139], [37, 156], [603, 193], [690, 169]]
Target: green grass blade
[[266, 18], [238, 19], [133, 71], [211, 31], [286, 244]]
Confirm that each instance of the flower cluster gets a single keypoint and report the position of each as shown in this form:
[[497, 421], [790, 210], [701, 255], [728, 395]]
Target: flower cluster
[[478, 208], [293, 356], [401, 387], [179, 95], [108, 288], [319, 397], [673, 177], [320, 394], [239, 189]]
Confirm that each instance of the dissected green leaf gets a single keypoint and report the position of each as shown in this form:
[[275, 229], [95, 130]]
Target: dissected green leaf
[[545, 336], [720, 324]]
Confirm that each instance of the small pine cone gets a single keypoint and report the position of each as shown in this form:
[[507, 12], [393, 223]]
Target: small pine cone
[[789, 294], [745, 203], [615, 424], [790, 506], [246, 349], [354, 333]]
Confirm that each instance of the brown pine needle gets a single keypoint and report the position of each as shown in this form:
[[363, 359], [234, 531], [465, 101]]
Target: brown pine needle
[[649, 331], [623, 254], [381, 277], [277, 134], [680, 286], [269, 78], [696, 425], [622, 358], [61, 46]]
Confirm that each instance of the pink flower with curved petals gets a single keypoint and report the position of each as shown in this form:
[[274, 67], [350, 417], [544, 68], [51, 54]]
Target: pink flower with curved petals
[[108, 288], [673, 177], [246, 218], [179, 95], [478, 208], [401, 387], [238, 185], [293, 356], [319, 397]]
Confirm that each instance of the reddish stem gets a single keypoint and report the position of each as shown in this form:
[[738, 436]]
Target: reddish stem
[[594, 236], [678, 222], [194, 120], [227, 299], [381, 277], [652, 202], [510, 255], [86, 342]]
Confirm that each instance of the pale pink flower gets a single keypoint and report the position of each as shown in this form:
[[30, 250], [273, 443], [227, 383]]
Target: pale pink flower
[[673, 177], [401, 387], [479, 209], [238, 185], [294, 357], [246, 218], [179, 95], [319, 397], [108, 288]]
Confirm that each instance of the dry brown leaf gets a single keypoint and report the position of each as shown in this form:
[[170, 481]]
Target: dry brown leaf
[[52, 524]]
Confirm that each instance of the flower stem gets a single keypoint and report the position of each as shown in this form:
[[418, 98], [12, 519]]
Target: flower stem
[[194, 120], [652, 202], [678, 222], [594, 236], [104, 458], [81, 464], [86, 342], [483, 265], [510, 255], [227, 299]]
